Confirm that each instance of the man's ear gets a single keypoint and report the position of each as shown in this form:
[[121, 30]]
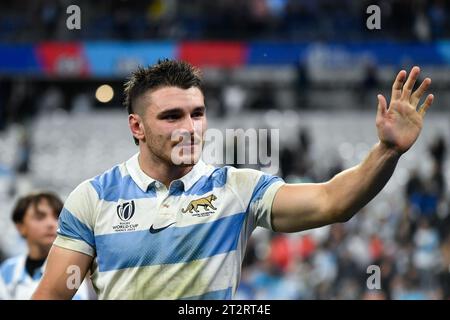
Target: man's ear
[[136, 126], [22, 229]]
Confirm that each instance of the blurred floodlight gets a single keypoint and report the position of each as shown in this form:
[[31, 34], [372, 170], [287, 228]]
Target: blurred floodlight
[[104, 93]]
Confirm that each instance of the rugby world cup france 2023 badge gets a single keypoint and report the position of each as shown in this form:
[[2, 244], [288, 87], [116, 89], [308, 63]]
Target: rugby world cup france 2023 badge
[[125, 211]]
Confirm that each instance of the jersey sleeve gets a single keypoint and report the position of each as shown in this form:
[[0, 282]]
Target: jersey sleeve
[[257, 190], [75, 225]]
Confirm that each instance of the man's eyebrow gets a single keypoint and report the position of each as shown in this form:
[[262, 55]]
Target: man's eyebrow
[[178, 110], [169, 111]]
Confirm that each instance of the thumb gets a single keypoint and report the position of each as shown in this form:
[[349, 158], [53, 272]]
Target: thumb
[[382, 105]]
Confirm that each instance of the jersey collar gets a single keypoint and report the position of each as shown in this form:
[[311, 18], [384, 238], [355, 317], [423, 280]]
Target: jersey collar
[[144, 181]]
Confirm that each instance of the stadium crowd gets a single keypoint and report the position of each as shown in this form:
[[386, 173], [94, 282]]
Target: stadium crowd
[[420, 20]]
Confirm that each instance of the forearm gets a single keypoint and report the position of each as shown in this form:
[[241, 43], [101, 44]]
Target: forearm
[[47, 294], [53, 287], [352, 189]]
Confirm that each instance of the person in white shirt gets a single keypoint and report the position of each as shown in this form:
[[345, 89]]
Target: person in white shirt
[[36, 218]]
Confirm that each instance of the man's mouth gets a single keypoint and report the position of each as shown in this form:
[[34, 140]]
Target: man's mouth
[[184, 145], [192, 143]]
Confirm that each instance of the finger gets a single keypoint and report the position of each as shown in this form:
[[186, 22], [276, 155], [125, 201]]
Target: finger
[[398, 84], [417, 95], [382, 105], [426, 105], [409, 84]]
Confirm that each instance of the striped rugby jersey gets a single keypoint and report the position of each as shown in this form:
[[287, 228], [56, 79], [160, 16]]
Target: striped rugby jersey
[[150, 242]]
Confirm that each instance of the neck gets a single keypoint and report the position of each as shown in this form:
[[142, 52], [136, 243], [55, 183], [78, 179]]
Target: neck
[[37, 252], [160, 170]]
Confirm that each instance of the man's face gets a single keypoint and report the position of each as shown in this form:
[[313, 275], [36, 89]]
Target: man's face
[[39, 224], [174, 122]]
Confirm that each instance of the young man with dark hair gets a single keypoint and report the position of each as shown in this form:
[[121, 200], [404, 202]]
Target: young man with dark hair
[[165, 225], [36, 219]]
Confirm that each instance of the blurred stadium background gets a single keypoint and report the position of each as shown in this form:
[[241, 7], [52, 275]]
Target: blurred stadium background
[[310, 68]]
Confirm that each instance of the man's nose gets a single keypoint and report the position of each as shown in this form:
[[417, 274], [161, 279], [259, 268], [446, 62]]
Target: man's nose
[[189, 125]]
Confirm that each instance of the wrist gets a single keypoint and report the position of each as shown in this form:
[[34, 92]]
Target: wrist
[[388, 150]]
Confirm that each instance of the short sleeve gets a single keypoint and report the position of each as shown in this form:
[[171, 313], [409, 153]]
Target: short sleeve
[[257, 191], [75, 225], [260, 205]]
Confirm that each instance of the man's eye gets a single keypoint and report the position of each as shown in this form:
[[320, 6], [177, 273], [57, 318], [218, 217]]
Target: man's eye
[[197, 114], [171, 117]]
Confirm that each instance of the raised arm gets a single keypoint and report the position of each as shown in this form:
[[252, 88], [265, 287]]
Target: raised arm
[[299, 207], [64, 270]]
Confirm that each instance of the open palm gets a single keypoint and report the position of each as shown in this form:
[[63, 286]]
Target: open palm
[[399, 125]]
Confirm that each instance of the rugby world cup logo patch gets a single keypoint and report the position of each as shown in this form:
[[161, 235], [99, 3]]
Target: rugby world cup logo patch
[[125, 211]]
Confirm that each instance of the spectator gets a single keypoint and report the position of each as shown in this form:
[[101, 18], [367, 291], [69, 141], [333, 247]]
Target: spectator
[[35, 216]]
